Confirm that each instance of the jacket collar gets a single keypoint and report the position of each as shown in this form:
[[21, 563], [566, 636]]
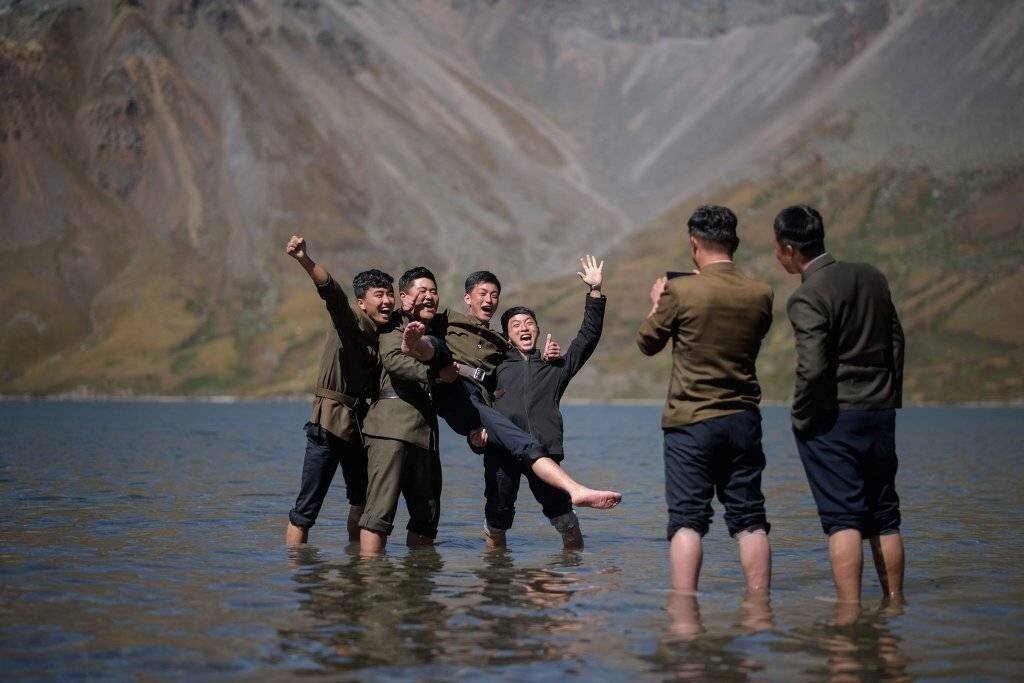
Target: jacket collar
[[513, 354], [822, 261], [718, 266]]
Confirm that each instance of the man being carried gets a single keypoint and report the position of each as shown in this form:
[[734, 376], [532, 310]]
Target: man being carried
[[528, 391], [477, 350], [348, 373], [716, 320], [849, 383]]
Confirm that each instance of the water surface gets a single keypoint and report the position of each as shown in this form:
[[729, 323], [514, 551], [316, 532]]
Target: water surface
[[147, 539]]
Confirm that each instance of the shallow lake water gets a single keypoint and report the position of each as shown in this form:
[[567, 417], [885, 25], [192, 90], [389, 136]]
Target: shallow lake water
[[146, 540]]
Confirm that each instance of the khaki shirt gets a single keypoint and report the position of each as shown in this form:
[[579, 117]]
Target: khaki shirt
[[474, 343], [716, 321], [410, 417], [349, 365]]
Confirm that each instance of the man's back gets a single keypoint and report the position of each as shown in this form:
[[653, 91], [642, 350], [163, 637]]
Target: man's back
[[849, 341], [716, 321]]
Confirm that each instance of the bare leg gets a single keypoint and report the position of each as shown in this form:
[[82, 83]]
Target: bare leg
[[549, 471], [686, 556], [846, 553], [371, 542], [354, 513], [295, 535], [887, 551], [756, 559], [572, 539], [414, 540]]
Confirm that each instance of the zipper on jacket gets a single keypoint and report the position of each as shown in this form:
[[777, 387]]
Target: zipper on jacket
[[526, 397]]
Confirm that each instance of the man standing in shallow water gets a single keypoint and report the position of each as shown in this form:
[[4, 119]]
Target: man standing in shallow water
[[348, 372], [716, 320], [849, 383]]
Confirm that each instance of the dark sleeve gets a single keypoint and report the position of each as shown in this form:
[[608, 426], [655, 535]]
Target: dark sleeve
[[582, 347], [400, 366], [898, 344], [657, 329], [342, 316], [813, 390]]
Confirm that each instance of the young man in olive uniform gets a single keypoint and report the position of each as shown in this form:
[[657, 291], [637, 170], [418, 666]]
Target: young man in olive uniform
[[348, 373], [401, 428]]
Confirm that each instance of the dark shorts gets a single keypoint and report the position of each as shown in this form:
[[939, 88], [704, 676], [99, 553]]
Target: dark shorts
[[324, 452], [851, 468], [398, 468], [722, 455], [502, 476]]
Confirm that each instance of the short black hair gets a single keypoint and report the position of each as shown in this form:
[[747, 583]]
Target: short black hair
[[368, 279], [479, 277], [714, 225], [413, 274], [515, 310], [801, 227]]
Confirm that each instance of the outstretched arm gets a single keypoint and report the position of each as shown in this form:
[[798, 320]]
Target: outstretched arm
[[582, 347], [342, 315]]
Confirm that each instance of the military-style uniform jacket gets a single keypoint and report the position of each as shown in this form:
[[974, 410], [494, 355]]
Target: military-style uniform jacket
[[849, 342], [349, 366], [473, 343], [716, 321], [404, 409]]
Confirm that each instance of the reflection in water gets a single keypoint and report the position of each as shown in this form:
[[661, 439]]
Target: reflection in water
[[689, 651], [387, 611], [368, 611], [859, 644]]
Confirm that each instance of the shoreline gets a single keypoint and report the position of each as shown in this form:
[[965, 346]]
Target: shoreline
[[81, 397]]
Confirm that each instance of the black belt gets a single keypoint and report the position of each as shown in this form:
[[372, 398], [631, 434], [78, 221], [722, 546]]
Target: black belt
[[344, 399]]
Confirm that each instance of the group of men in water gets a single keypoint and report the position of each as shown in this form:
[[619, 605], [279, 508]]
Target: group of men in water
[[390, 368]]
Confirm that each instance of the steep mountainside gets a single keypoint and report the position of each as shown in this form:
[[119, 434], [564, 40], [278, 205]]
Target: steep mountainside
[[155, 156]]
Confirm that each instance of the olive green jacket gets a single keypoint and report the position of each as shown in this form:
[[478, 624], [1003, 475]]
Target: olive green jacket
[[471, 342], [849, 342], [716, 321], [349, 366], [410, 417]]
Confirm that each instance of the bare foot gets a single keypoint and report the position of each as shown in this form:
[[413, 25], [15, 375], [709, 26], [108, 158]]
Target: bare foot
[[601, 500]]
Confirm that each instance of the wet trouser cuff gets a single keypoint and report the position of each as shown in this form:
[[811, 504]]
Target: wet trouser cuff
[[300, 521], [375, 524], [493, 532], [565, 523]]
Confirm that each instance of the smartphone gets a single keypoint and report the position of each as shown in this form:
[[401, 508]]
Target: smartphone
[[673, 274]]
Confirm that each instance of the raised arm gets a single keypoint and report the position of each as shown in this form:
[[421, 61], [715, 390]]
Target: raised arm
[[814, 389], [582, 347], [342, 316], [659, 325]]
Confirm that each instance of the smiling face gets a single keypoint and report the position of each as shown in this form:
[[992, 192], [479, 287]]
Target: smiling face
[[426, 309], [522, 332], [482, 301], [377, 303]]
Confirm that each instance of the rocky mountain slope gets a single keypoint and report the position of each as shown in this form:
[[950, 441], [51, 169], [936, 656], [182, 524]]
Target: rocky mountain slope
[[155, 156]]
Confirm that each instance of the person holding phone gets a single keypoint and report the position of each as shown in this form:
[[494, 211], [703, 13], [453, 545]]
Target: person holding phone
[[716, 320]]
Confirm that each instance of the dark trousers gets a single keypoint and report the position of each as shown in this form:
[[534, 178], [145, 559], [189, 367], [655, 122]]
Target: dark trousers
[[502, 476], [851, 468], [461, 404], [324, 452], [721, 455]]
